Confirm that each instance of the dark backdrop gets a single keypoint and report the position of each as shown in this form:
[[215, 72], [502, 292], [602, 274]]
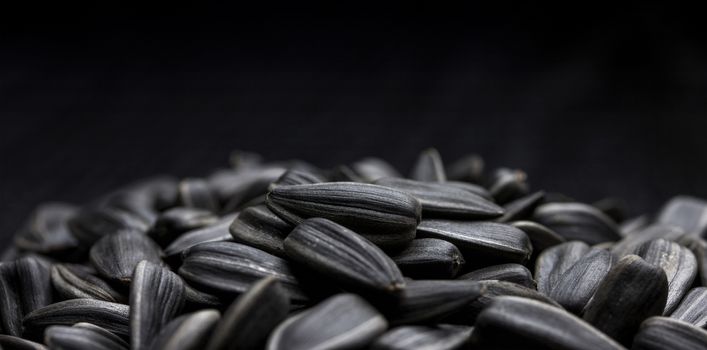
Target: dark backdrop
[[592, 102]]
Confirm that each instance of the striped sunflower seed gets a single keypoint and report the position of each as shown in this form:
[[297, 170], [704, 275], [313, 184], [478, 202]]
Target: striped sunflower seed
[[83, 336], [441, 337], [521, 208], [267, 302], [10, 342], [47, 232], [520, 323], [115, 256], [344, 321], [685, 212], [658, 333], [74, 282], [187, 332], [630, 242], [698, 246], [480, 242], [156, 297], [111, 316], [429, 167], [575, 287], [632, 291], [236, 188], [385, 216], [445, 200], [428, 301], [577, 221], [513, 273], [173, 222], [693, 308], [540, 236], [429, 258], [372, 169], [24, 287], [196, 298], [553, 262], [259, 227], [343, 256], [92, 223], [217, 232], [469, 169], [679, 264]]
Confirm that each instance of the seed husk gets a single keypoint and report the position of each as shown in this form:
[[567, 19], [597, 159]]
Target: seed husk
[[631, 241], [47, 231], [24, 287], [111, 316], [343, 256], [693, 308], [259, 227], [236, 188], [344, 173], [679, 264], [698, 246], [632, 291], [445, 200], [522, 208], [520, 323], [267, 302], [228, 269], [10, 303], [484, 241], [429, 258], [540, 236], [577, 221], [344, 321], [10, 342], [469, 168], [199, 299], [469, 187], [442, 337], [385, 216], [428, 301], [173, 222], [196, 193], [83, 336], [297, 177], [506, 184], [576, 286], [187, 332], [156, 297], [659, 333], [372, 169], [75, 283], [554, 261], [92, 223], [429, 167], [685, 212], [116, 256], [514, 273], [217, 232]]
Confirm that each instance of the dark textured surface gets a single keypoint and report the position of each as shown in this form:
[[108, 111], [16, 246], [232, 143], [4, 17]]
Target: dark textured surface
[[591, 102]]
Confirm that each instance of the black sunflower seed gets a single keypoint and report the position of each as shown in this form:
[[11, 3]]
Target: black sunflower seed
[[514, 273], [156, 297], [297, 177], [631, 241], [196, 193], [506, 184], [658, 333], [554, 261], [116, 256], [343, 173], [521, 208], [385, 216], [83, 336], [372, 169], [693, 308], [576, 286], [427, 301], [259, 227], [111, 316], [698, 246], [520, 323], [10, 303], [228, 269], [685, 212], [678, 262], [429, 258], [577, 221], [47, 231], [429, 167], [187, 332], [235, 188], [343, 256], [173, 222], [92, 223], [469, 168], [444, 200], [10, 342], [540, 236], [344, 321], [199, 299], [469, 187], [75, 283], [632, 291], [217, 232], [265, 302], [442, 337], [24, 287], [480, 241]]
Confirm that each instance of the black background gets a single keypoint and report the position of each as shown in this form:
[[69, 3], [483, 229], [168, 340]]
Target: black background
[[590, 101]]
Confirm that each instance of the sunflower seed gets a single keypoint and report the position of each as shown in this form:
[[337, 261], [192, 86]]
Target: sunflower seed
[[659, 333], [297, 177], [344, 173], [24, 287], [514, 273], [74, 283], [10, 303], [554, 261], [678, 262], [196, 193], [576, 286], [634, 225], [199, 299], [520, 323], [632, 241], [344, 321], [259, 227], [442, 337], [10, 342], [372, 169], [693, 308], [632, 291], [240, 159], [234, 188], [508, 184], [229, 269], [540, 237], [385, 216], [111, 316], [217, 232], [343, 256], [686, 212], [429, 258], [577, 221], [698, 246], [265, 302], [116, 256], [429, 167], [92, 223], [487, 241], [173, 222], [47, 232], [444, 200], [521, 208], [427, 301], [187, 332], [83, 336], [156, 297], [469, 168], [469, 187]]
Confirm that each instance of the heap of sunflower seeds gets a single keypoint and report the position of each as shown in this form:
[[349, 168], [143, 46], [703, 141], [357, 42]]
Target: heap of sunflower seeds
[[289, 256]]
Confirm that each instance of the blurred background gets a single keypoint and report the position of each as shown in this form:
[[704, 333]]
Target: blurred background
[[590, 102]]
